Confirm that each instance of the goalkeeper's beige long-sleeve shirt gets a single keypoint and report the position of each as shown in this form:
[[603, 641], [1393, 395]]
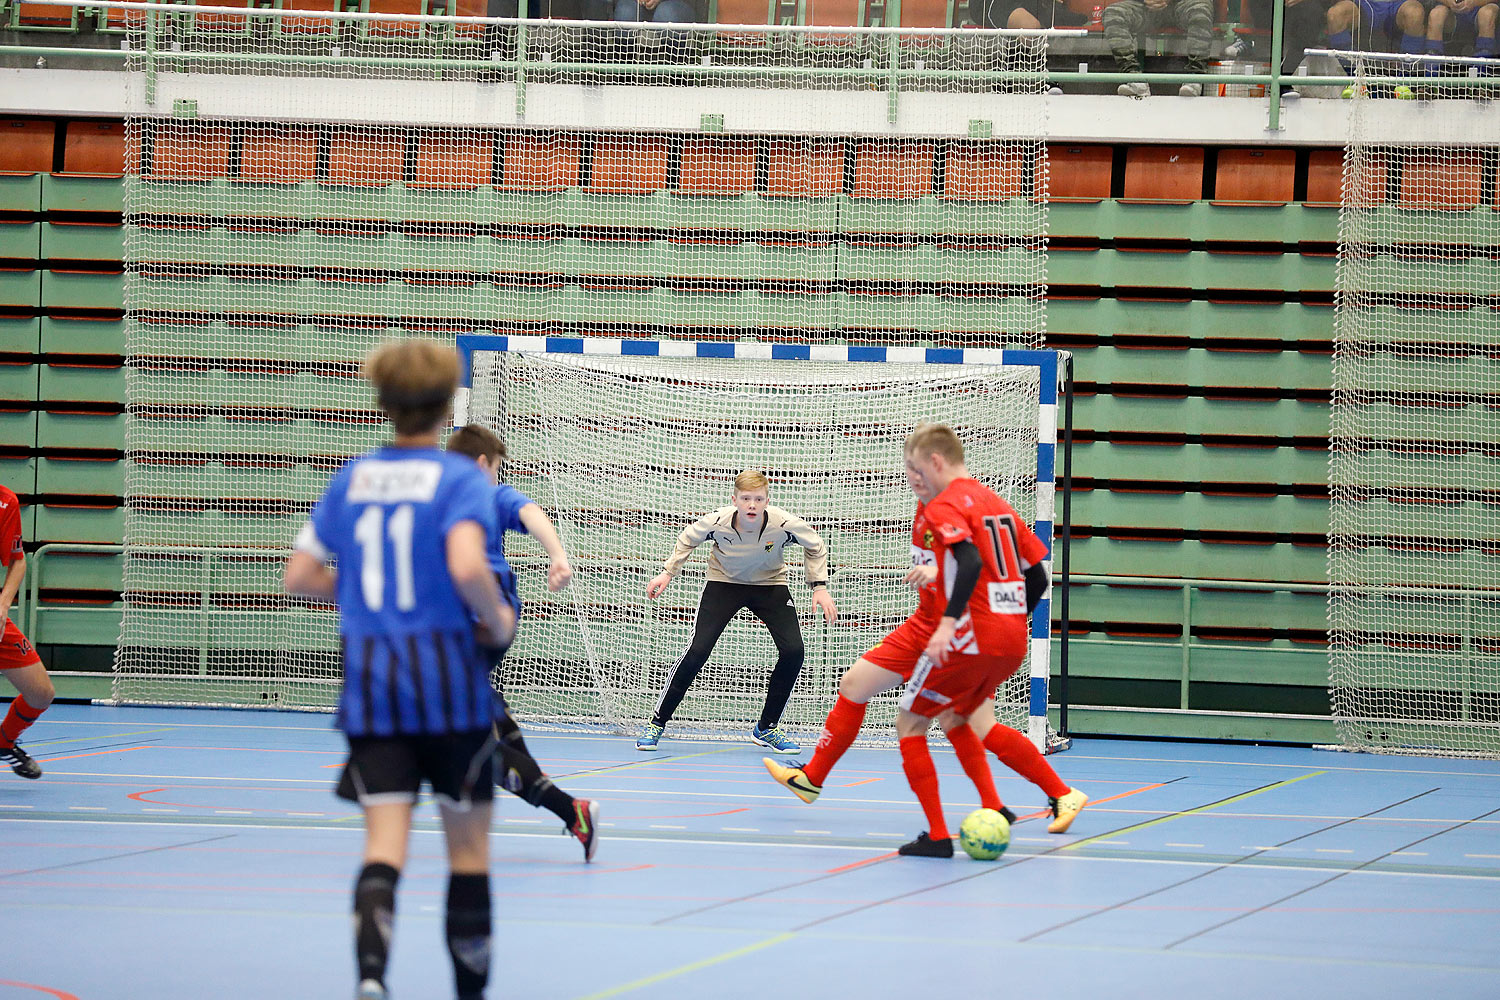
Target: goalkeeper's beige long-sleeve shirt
[[752, 557]]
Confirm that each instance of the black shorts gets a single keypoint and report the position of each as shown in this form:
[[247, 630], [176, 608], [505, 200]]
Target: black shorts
[[1048, 13], [459, 767]]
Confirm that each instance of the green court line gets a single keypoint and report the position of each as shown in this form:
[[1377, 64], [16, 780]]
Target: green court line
[[1190, 812], [702, 963]]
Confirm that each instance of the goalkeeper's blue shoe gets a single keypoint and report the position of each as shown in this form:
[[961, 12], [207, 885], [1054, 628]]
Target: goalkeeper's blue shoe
[[773, 739], [650, 737]]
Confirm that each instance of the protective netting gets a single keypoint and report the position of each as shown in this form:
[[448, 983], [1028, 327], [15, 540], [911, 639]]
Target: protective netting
[[1414, 538], [625, 452], [303, 185]]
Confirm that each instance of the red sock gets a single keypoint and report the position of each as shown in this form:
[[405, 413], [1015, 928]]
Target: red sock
[[1021, 756], [916, 761], [17, 721], [838, 733], [976, 764]]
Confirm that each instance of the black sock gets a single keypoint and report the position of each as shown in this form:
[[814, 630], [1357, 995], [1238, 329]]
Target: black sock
[[374, 918], [522, 776], [469, 932]]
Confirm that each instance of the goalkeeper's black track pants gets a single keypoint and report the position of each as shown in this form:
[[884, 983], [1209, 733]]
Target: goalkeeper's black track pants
[[721, 602]]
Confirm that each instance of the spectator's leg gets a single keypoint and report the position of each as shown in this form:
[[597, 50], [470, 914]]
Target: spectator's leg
[[1260, 16], [1196, 18], [1437, 25], [1302, 27], [1342, 19], [1484, 42], [1122, 23], [1411, 23]]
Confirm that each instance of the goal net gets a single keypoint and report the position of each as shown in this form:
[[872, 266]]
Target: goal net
[[1414, 535], [302, 185], [625, 449]]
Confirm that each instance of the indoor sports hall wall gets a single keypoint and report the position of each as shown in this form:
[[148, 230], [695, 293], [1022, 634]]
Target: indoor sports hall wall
[[1194, 286]]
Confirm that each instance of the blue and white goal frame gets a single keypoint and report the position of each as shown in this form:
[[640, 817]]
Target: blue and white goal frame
[[1049, 365]]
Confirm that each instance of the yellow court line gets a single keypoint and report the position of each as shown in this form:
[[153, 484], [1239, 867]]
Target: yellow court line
[[1189, 812], [702, 963], [582, 776]]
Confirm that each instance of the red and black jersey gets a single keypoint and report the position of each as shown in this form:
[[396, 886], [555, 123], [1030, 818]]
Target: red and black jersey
[[969, 510]]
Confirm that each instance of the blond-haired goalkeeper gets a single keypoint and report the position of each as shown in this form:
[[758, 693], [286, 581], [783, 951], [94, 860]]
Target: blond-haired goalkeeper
[[745, 571]]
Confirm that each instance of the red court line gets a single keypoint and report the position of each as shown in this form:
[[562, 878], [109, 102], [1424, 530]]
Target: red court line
[[96, 753], [863, 781], [726, 812], [40, 989]]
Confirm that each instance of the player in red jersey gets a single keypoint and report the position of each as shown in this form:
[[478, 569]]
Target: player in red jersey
[[19, 663], [980, 571]]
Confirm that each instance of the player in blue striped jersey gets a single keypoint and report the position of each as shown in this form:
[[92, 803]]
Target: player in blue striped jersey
[[519, 773], [398, 540]]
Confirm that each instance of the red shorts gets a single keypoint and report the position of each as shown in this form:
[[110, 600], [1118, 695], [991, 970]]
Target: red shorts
[[15, 649], [962, 684]]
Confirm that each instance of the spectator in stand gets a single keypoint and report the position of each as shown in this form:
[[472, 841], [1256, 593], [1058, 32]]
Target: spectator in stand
[[1126, 20], [1403, 22], [1468, 17], [660, 11], [1024, 14], [1302, 27]]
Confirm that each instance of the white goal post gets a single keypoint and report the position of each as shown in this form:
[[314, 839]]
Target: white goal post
[[624, 442]]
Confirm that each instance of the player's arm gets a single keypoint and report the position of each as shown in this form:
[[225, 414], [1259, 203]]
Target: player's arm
[[15, 572], [815, 563], [307, 573], [539, 526], [469, 569], [692, 536], [1037, 581], [965, 578]]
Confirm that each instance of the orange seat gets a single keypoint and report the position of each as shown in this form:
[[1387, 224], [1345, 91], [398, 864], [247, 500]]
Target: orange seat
[[1325, 180], [446, 161], [836, 13], [468, 8], [26, 146], [308, 25], [189, 151], [900, 169], [717, 166], [96, 148], [540, 162], [744, 12], [1447, 181], [365, 157], [223, 22], [1255, 177], [36, 15], [1163, 174], [1079, 173], [394, 29], [279, 154], [1325, 176], [627, 164], [805, 168], [985, 172], [924, 14]]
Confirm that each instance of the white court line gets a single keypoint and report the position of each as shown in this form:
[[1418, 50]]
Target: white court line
[[89, 808], [1490, 856], [781, 846], [529, 822], [821, 833], [595, 737], [666, 826], [740, 829], [233, 812], [155, 809], [1409, 854], [2, 806], [1170, 844], [1333, 850]]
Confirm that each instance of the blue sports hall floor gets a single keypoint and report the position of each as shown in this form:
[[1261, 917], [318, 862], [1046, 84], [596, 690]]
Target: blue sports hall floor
[[174, 854]]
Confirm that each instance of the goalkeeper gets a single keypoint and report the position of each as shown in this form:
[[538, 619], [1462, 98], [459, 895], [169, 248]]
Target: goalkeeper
[[745, 570]]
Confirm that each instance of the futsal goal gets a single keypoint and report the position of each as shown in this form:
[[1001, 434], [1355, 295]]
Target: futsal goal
[[626, 442], [1414, 535]]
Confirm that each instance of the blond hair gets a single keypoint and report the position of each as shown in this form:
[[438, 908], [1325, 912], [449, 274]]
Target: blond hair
[[751, 479], [414, 382], [935, 439]]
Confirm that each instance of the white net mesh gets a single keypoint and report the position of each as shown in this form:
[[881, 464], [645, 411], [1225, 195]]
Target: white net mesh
[[301, 186], [626, 452], [1414, 538]]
